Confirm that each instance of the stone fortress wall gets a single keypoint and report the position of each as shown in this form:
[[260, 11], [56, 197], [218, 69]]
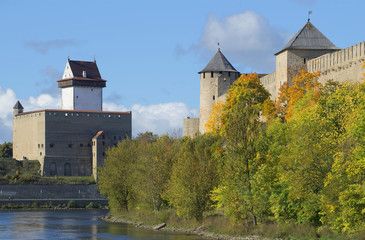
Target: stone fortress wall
[[61, 140], [343, 65]]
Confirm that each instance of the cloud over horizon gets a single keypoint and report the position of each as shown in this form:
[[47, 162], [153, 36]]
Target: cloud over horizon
[[158, 118], [246, 39]]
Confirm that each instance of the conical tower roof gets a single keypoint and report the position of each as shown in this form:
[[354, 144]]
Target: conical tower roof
[[18, 105], [309, 37], [219, 63]]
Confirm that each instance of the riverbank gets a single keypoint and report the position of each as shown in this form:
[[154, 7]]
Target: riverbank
[[201, 231]]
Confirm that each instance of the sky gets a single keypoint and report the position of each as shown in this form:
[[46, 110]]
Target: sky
[[150, 52]]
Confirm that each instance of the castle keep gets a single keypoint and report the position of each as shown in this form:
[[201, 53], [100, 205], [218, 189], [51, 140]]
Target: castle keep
[[71, 141], [308, 50]]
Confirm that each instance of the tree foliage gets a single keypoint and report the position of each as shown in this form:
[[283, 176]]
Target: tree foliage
[[194, 175], [6, 150]]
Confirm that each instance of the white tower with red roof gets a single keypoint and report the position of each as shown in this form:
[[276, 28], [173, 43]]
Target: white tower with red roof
[[82, 86]]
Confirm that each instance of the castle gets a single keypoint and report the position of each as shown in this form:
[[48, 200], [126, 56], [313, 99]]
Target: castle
[[71, 141], [309, 49]]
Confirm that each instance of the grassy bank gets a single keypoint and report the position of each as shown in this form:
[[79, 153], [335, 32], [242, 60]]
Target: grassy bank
[[216, 223]]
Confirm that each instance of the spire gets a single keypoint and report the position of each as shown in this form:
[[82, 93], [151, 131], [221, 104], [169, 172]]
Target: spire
[[18, 105], [219, 63], [309, 38]]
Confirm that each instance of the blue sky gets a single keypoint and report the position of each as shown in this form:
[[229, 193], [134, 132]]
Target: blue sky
[[150, 51]]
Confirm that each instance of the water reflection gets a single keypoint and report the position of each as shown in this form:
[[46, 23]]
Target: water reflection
[[74, 224]]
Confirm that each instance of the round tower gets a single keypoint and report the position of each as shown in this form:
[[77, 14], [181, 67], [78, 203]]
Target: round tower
[[215, 80]]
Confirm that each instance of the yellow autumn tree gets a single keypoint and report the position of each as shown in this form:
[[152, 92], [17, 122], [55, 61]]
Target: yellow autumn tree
[[290, 95], [214, 123]]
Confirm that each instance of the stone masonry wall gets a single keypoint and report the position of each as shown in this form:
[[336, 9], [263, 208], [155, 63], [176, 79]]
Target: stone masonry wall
[[341, 66], [49, 192], [269, 82]]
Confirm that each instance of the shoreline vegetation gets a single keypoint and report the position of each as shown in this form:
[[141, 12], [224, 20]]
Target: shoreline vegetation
[[290, 169]]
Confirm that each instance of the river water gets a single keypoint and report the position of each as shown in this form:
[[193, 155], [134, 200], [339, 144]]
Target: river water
[[73, 224]]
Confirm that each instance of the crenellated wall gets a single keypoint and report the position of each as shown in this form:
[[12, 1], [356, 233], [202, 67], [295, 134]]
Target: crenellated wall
[[269, 82], [341, 66]]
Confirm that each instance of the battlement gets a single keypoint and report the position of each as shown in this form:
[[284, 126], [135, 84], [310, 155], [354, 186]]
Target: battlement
[[339, 60]]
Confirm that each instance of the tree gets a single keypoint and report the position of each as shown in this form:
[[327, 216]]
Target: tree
[[290, 95], [241, 128], [194, 175], [117, 179], [154, 168], [6, 150]]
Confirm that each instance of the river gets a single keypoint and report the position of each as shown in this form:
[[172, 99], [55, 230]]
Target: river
[[74, 224]]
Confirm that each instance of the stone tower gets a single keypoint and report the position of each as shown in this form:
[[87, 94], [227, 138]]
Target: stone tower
[[82, 86], [18, 108], [307, 44], [215, 80]]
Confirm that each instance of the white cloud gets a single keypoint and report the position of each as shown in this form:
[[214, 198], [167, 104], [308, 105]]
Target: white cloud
[[246, 38], [7, 101], [158, 118]]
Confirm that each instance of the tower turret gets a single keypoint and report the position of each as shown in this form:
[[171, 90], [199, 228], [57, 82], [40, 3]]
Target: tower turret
[[82, 86], [18, 108], [215, 80], [307, 44]]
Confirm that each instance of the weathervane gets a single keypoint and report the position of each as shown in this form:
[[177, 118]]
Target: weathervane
[[309, 13]]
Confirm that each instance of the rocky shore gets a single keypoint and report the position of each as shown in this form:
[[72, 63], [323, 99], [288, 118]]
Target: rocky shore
[[163, 227]]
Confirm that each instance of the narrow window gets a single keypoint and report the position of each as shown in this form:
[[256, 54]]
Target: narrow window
[[203, 75], [213, 97], [51, 145], [81, 145], [39, 145], [89, 145], [211, 74], [103, 143], [40, 153], [115, 137], [305, 60], [220, 72], [229, 74], [70, 145], [103, 136]]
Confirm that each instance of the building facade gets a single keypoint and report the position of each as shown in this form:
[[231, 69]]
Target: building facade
[[63, 141], [309, 50]]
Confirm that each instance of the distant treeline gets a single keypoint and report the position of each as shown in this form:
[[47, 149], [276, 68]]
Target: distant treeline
[[300, 160]]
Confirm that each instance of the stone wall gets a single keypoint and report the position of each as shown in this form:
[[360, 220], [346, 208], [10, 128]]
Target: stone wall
[[190, 127], [341, 66], [269, 83], [47, 193]]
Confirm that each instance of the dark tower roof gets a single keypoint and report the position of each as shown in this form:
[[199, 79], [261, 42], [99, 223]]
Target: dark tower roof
[[92, 77], [309, 38], [219, 63], [18, 105]]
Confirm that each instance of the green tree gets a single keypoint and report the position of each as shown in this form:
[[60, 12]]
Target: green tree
[[154, 167], [6, 150], [117, 178], [241, 128], [194, 175]]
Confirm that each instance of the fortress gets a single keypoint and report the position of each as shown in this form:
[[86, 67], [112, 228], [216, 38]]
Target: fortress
[[309, 49], [71, 141]]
